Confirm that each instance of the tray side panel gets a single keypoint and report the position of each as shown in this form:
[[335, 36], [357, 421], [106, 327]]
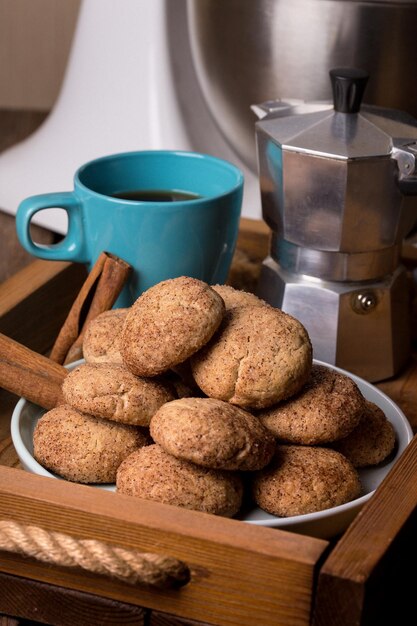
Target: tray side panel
[[367, 567], [241, 574]]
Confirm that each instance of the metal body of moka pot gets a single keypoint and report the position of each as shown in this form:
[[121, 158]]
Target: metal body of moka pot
[[339, 192]]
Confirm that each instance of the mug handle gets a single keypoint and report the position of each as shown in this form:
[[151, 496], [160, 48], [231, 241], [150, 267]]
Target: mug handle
[[73, 245]]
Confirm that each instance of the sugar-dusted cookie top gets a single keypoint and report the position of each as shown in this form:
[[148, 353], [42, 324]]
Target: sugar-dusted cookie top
[[153, 474], [259, 356], [303, 479], [82, 448], [371, 442], [328, 408], [213, 434], [101, 343], [112, 392], [168, 323], [236, 297]]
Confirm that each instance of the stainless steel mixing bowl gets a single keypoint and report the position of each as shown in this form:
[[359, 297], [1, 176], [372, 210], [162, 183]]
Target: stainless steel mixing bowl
[[249, 51]]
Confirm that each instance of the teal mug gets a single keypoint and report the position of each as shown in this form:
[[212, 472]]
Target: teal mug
[[166, 213]]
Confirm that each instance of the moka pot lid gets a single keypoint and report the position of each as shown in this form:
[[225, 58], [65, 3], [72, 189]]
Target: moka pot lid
[[345, 130]]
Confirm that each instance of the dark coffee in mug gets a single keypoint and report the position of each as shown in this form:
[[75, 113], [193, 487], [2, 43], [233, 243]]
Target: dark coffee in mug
[[155, 195]]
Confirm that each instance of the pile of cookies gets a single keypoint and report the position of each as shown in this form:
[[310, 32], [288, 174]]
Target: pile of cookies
[[206, 397]]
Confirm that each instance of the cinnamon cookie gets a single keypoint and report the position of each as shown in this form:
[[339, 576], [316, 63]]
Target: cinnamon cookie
[[101, 343], [302, 479], [82, 448], [235, 297], [153, 474], [259, 356], [371, 442], [112, 392], [168, 323], [328, 408], [213, 434]]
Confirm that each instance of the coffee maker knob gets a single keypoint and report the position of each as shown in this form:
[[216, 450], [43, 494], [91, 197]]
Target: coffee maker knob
[[364, 301], [348, 86]]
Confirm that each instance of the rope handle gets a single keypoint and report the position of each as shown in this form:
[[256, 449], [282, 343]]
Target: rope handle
[[155, 570]]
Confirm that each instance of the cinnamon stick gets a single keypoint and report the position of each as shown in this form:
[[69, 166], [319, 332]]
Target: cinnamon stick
[[99, 292], [29, 374]]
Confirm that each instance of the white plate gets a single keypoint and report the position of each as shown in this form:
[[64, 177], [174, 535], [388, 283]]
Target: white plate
[[324, 524]]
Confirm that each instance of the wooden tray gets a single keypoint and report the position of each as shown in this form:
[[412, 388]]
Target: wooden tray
[[241, 574]]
